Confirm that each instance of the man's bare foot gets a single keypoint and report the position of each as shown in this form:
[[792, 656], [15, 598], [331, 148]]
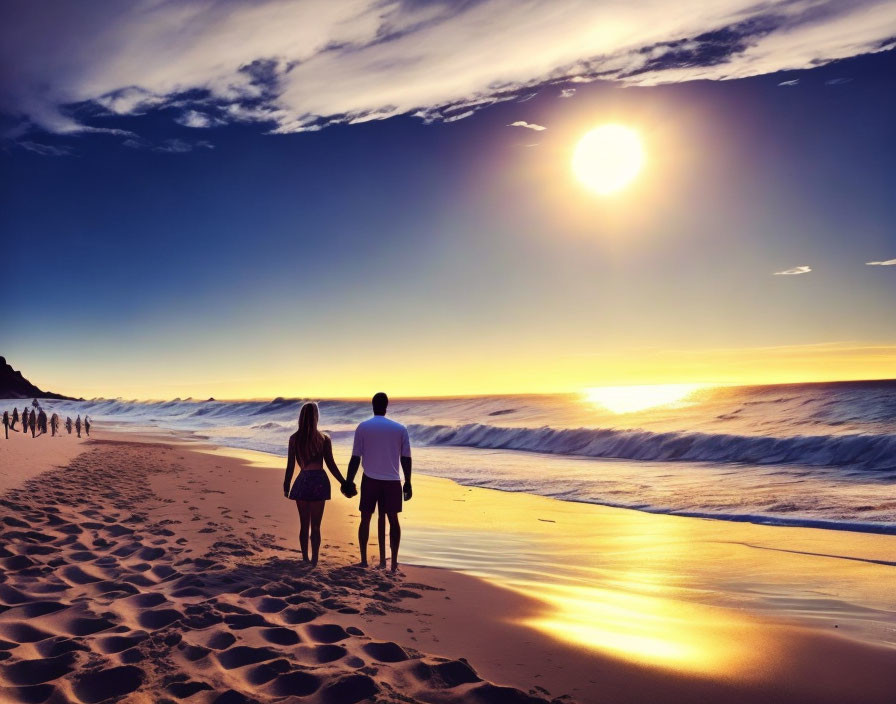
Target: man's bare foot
[[395, 569], [382, 565]]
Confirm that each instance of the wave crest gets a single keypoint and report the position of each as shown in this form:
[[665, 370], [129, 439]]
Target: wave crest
[[862, 451]]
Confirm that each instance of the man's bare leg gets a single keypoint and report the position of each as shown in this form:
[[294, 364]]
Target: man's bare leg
[[364, 536], [394, 538], [381, 535]]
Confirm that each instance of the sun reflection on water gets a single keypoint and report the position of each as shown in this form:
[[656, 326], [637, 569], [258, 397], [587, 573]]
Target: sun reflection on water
[[630, 399], [640, 628]]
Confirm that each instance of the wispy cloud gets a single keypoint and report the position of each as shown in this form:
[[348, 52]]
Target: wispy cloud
[[527, 125], [567, 92], [297, 66], [168, 146], [460, 116], [887, 262], [837, 81], [45, 149], [794, 271], [791, 82]]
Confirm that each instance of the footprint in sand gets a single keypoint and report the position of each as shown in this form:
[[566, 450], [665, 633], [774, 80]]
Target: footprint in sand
[[100, 685]]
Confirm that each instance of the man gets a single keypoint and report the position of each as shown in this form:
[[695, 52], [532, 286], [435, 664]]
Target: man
[[6, 423], [382, 444]]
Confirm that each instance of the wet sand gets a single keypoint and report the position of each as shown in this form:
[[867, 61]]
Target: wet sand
[[147, 570]]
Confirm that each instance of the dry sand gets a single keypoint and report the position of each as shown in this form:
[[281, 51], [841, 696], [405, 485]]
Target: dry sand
[[148, 571]]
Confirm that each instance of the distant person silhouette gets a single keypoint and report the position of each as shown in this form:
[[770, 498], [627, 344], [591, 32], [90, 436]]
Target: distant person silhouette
[[54, 424], [87, 426], [78, 424], [310, 449], [15, 419], [41, 421], [68, 424], [383, 445], [6, 423], [32, 422]]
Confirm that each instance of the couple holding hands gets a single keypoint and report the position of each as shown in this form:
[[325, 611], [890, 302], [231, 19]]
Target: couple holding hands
[[382, 445]]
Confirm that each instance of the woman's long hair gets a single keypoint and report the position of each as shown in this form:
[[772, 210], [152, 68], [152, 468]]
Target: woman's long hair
[[309, 440]]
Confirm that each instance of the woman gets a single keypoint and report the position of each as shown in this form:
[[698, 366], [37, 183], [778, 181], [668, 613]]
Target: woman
[[310, 448]]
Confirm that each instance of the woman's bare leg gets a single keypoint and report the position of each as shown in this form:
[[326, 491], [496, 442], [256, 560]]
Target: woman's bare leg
[[304, 523], [317, 514]]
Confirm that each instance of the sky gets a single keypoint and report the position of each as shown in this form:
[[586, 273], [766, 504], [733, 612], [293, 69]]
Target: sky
[[259, 199]]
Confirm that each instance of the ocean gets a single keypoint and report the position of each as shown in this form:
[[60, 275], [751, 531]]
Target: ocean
[[821, 454]]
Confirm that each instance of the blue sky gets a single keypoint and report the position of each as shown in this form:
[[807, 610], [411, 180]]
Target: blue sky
[[167, 244]]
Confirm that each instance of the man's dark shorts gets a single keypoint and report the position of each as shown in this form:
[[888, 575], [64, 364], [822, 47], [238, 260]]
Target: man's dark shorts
[[385, 492]]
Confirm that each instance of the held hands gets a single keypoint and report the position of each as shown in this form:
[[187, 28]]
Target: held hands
[[408, 492], [348, 489]]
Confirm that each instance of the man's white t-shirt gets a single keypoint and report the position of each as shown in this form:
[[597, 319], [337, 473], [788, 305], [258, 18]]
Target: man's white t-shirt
[[380, 443]]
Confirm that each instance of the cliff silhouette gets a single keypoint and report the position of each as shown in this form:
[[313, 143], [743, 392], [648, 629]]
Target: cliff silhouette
[[14, 385]]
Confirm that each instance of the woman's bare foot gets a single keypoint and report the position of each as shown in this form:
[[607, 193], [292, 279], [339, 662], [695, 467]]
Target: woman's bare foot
[[361, 565]]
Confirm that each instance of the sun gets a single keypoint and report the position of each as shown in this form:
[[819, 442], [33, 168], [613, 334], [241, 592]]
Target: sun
[[608, 158]]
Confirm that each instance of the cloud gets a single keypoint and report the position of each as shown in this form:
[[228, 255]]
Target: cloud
[[169, 146], [194, 118], [567, 92], [837, 81], [792, 82], [460, 116], [45, 149], [527, 125], [299, 66], [888, 262], [794, 271]]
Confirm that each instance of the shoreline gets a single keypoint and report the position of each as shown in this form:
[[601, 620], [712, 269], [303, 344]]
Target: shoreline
[[861, 527], [525, 636]]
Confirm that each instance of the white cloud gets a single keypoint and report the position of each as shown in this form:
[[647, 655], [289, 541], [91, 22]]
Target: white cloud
[[794, 271], [302, 65], [567, 92], [792, 82], [527, 125], [461, 116], [194, 118], [888, 262]]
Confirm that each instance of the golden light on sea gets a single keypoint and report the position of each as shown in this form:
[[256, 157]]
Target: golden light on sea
[[630, 399], [608, 158]]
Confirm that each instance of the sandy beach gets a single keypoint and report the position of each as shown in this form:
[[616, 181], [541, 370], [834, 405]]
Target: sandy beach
[[145, 568]]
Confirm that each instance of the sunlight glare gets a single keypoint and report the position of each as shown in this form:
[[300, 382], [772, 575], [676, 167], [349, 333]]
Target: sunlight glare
[[608, 158], [629, 399]]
